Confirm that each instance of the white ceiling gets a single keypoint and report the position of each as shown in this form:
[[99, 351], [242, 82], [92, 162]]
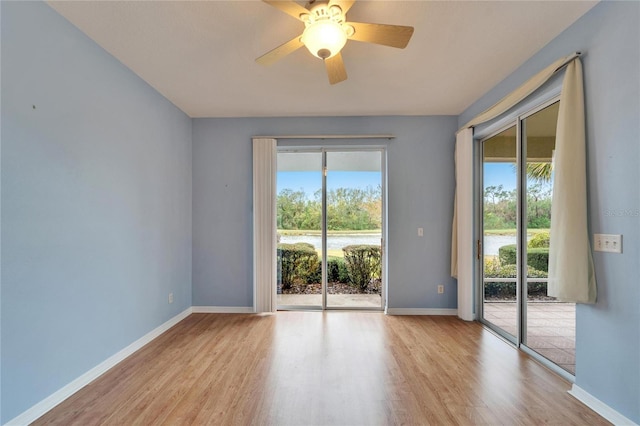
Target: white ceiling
[[200, 55]]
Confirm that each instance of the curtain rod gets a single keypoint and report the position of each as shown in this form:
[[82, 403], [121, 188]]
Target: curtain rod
[[520, 93], [568, 60], [327, 137]]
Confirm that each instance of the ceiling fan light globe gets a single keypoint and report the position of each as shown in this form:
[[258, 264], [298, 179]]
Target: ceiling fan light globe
[[324, 39]]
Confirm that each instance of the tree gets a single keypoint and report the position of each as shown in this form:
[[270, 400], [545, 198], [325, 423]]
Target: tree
[[291, 206], [538, 205], [540, 172], [490, 194], [347, 209]]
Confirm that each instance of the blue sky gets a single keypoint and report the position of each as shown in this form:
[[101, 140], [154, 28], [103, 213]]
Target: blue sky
[[504, 174], [494, 174], [500, 174], [312, 181]]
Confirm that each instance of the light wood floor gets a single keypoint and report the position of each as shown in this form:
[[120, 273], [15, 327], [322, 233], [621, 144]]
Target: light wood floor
[[304, 368]]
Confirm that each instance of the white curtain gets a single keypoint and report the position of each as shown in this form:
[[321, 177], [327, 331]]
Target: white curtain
[[462, 238], [264, 225], [571, 273], [520, 93], [462, 233]]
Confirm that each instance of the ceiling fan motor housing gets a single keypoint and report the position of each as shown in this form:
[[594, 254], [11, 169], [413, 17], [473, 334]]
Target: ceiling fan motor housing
[[325, 33]]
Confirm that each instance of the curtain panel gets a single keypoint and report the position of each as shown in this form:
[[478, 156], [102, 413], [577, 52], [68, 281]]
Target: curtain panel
[[571, 272], [264, 225], [462, 240], [568, 240]]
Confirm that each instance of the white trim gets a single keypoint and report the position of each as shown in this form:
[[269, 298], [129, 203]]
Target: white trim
[[42, 407], [383, 136], [421, 311], [599, 407], [223, 310]]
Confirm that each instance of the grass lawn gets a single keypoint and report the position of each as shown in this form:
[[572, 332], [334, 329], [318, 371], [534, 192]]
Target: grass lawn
[[513, 231], [332, 253]]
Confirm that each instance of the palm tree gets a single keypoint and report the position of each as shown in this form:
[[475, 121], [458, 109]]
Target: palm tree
[[540, 172]]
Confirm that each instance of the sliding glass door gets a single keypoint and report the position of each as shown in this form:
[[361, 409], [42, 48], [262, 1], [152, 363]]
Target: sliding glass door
[[549, 326], [354, 229], [330, 229], [299, 222], [517, 183], [499, 232]]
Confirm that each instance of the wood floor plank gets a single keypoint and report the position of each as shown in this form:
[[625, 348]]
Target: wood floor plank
[[331, 368]]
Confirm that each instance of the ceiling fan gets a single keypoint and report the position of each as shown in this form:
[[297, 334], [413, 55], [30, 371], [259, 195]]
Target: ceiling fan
[[327, 31]]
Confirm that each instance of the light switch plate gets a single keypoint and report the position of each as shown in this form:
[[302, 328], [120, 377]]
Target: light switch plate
[[611, 243]]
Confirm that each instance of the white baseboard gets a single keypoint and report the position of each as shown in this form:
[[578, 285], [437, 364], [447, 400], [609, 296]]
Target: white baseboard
[[65, 392], [421, 311], [223, 309], [599, 407]]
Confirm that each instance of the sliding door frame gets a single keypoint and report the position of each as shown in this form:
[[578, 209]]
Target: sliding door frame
[[516, 118], [479, 212], [383, 243]]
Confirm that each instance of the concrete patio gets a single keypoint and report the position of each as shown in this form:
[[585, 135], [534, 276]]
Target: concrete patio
[[551, 328], [373, 301]]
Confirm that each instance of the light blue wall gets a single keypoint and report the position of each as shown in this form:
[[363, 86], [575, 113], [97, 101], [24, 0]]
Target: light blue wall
[[96, 205], [608, 333], [420, 187]]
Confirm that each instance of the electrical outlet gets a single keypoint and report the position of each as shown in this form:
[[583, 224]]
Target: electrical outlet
[[440, 289], [611, 243], [420, 232], [170, 297]]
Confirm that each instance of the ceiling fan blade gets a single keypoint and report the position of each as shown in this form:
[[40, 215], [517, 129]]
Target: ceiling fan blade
[[291, 8], [335, 69], [387, 35], [345, 5], [280, 52]]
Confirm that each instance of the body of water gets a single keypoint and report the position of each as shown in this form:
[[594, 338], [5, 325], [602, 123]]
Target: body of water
[[492, 243], [335, 242]]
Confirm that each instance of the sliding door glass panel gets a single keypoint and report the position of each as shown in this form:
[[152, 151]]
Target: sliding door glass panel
[[299, 221], [549, 325], [354, 222], [499, 236]]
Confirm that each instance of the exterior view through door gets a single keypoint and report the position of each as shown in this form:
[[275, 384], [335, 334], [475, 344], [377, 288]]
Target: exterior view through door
[[517, 176], [330, 219]]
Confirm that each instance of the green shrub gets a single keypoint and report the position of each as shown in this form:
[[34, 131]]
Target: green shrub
[[494, 221], [539, 240], [296, 262], [539, 223], [494, 269], [538, 258], [363, 264], [507, 254], [313, 276], [337, 270]]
